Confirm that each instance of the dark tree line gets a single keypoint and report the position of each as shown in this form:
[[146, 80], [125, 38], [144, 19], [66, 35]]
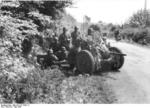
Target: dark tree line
[[50, 8]]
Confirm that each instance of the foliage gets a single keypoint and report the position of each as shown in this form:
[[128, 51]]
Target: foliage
[[42, 21], [19, 20], [50, 8], [13, 32], [136, 29], [141, 18], [138, 35], [38, 87], [113, 28], [85, 89], [95, 27]]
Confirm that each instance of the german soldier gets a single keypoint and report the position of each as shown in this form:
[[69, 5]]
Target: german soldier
[[62, 54], [116, 34], [26, 46], [75, 36], [50, 58], [55, 45], [63, 39]]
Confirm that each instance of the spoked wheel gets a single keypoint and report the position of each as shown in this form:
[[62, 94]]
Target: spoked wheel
[[85, 62], [118, 60]]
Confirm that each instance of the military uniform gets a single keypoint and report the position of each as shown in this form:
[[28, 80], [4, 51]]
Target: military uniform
[[63, 39], [26, 46], [55, 45], [50, 58], [62, 54], [116, 33], [75, 38]]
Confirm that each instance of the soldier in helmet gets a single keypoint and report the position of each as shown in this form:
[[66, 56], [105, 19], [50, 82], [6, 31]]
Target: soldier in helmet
[[90, 31], [90, 35], [55, 44], [75, 37], [26, 46], [50, 58], [63, 39], [62, 54], [116, 34]]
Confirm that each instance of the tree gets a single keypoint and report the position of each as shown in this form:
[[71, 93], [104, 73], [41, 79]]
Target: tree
[[50, 8], [141, 18], [95, 27]]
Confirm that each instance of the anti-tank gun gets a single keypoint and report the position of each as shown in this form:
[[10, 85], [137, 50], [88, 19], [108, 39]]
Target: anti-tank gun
[[96, 55]]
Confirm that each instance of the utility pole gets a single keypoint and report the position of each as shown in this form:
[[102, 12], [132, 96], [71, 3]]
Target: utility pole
[[145, 13], [145, 5]]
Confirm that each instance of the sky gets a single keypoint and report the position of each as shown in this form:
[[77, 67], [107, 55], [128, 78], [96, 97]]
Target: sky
[[108, 11]]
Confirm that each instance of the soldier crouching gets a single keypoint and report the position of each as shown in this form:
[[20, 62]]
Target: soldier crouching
[[50, 58], [62, 54], [47, 60]]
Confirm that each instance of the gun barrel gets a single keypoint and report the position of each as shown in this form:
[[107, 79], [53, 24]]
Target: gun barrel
[[118, 54]]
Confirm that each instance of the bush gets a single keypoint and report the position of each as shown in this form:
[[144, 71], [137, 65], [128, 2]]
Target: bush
[[38, 87], [138, 35], [95, 27], [140, 18], [41, 20], [50, 8]]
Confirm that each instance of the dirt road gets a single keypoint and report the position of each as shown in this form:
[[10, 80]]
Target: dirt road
[[132, 83]]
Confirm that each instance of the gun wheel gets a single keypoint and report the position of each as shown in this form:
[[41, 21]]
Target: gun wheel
[[85, 62], [118, 59]]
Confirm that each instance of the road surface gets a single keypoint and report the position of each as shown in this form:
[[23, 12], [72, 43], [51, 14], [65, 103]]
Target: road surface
[[132, 83]]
